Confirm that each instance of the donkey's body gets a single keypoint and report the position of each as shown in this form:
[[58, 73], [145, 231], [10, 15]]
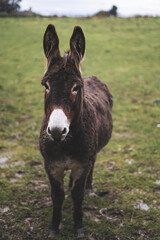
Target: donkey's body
[[85, 104]]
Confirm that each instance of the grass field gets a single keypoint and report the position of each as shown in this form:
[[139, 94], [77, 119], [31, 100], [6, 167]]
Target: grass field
[[125, 54]]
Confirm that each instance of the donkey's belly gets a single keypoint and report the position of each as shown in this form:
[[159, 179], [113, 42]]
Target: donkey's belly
[[105, 125]]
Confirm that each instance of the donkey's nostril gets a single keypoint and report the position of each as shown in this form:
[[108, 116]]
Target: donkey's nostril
[[64, 131], [49, 130]]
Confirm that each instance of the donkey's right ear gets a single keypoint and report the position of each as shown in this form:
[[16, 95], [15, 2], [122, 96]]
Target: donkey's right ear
[[77, 46], [51, 43]]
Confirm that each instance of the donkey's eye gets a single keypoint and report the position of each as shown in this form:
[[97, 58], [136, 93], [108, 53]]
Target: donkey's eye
[[47, 86], [75, 89]]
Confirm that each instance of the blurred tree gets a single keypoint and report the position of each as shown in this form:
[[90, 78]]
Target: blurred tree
[[113, 11], [9, 5]]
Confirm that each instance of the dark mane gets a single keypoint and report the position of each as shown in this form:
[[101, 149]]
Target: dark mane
[[65, 58]]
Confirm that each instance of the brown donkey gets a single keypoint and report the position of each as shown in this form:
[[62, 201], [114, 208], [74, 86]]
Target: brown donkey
[[77, 123]]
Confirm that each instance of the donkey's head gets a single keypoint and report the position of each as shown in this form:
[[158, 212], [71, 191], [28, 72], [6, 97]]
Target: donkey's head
[[63, 82]]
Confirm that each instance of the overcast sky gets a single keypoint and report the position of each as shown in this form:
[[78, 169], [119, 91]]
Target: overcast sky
[[89, 7]]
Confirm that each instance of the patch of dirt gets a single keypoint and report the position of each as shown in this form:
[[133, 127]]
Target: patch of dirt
[[110, 165], [3, 160], [4, 210], [24, 117], [35, 164], [95, 218], [38, 203], [112, 213], [129, 161], [125, 134], [103, 193], [157, 181], [17, 135], [109, 194], [38, 185], [143, 235], [141, 205], [89, 207], [3, 225], [92, 237]]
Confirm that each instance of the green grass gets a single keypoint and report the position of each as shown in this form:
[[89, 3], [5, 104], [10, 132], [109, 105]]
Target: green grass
[[124, 53]]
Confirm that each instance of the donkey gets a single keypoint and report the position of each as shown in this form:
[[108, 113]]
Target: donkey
[[77, 123]]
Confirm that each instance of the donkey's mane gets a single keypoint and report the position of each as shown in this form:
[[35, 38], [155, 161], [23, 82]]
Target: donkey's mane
[[65, 58]]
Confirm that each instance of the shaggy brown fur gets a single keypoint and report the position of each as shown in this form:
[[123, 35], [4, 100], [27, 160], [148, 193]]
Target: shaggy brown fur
[[89, 115]]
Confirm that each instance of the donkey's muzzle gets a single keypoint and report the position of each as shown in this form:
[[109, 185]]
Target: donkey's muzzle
[[57, 133], [58, 126]]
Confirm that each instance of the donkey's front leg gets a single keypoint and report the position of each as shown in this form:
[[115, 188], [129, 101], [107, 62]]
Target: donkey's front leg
[[57, 194], [77, 193]]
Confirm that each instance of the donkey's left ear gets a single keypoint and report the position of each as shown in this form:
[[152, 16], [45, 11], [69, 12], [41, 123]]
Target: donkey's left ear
[[51, 43], [77, 46]]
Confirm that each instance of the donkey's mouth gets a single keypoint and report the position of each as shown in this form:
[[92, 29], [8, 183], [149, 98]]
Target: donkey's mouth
[[57, 138], [57, 141]]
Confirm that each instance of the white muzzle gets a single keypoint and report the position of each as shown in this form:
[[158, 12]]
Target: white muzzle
[[58, 126]]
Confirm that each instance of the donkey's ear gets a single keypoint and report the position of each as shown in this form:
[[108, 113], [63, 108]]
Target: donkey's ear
[[51, 43], [77, 46]]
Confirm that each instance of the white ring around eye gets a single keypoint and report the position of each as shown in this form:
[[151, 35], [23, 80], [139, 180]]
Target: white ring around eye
[[75, 89], [47, 86]]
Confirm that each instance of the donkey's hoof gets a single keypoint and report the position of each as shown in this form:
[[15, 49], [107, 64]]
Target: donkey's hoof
[[61, 226], [52, 234], [80, 233]]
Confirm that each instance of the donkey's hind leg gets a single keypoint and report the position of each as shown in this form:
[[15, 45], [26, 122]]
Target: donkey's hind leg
[[88, 190]]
